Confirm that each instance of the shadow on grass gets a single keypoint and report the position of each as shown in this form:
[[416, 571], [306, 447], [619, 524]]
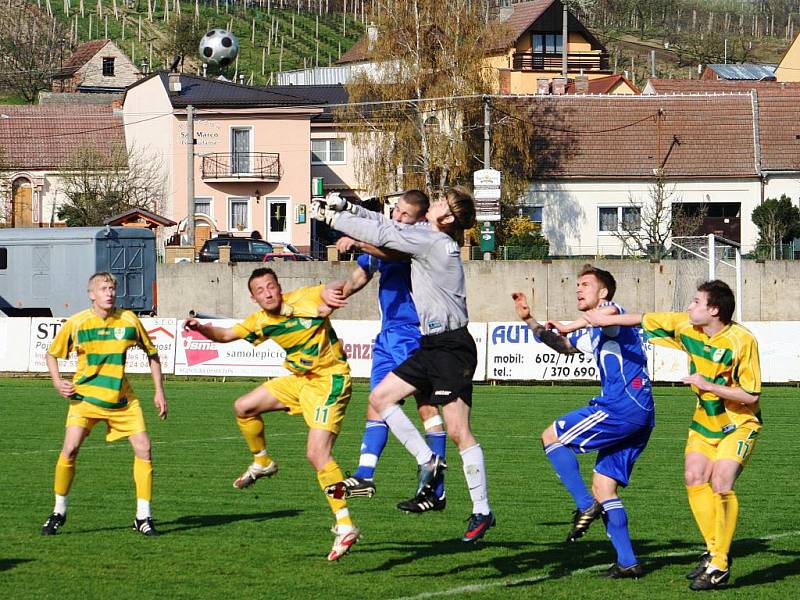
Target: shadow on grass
[[196, 521], [771, 574], [10, 563]]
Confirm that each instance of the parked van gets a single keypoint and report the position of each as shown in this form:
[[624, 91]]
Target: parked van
[[44, 272]]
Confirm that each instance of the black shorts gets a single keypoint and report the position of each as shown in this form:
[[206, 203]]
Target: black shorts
[[442, 368]]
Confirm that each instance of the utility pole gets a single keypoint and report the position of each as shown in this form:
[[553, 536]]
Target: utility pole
[[487, 230], [487, 136], [190, 177], [653, 64], [564, 36]]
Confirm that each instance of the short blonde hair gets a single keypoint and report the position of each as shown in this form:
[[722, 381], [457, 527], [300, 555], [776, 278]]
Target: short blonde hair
[[102, 276]]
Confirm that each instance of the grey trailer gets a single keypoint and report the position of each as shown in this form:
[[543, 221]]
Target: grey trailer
[[44, 272]]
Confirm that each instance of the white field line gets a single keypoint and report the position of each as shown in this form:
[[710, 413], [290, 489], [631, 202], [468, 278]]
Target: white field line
[[481, 587]]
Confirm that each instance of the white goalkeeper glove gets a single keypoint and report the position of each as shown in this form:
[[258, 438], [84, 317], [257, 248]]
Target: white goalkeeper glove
[[338, 204], [322, 212]]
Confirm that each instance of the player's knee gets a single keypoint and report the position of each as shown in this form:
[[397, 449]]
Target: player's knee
[[242, 408], [694, 477], [548, 437], [70, 451], [721, 484]]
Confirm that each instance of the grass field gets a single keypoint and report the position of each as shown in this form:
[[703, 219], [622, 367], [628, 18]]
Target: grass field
[[270, 541]]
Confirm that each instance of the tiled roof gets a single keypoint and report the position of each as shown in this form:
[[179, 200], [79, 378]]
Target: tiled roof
[[712, 86], [321, 95], [603, 85], [522, 16], [80, 57], [46, 137], [779, 128], [629, 136], [356, 53], [202, 92]]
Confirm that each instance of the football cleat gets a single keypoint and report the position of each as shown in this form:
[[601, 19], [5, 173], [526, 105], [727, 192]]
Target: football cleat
[[423, 502], [53, 523], [145, 526], [617, 571], [710, 579], [582, 519], [351, 487], [477, 526], [431, 473], [702, 565], [342, 542], [254, 472]]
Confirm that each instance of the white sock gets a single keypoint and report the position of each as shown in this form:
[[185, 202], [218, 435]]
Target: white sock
[[142, 509], [475, 473], [61, 505], [404, 430]]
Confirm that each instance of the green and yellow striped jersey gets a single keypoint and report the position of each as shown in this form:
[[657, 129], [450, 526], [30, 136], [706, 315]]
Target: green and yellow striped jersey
[[730, 357], [310, 342], [101, 345]]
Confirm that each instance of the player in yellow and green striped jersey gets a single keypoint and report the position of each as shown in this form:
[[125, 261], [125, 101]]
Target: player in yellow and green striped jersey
[[725, 375], [318, 386], [100, 392]]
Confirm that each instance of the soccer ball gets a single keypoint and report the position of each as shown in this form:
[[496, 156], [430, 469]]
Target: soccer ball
[[218, 49]]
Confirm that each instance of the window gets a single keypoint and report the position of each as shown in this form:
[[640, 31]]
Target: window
[[3, 259], [534, 213], [202, 206], [277, 217], [546, 43], [108, 66], [327, 151], [238, 215], [240, 150], [619, 218]]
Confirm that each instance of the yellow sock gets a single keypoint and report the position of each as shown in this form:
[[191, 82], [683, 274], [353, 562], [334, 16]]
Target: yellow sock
[[143, 478], [328, 475], [727, 515], [704, 509], [65, 473], [252, 429]]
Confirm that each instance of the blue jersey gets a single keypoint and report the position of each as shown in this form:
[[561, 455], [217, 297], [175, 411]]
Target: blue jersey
[[394, 291], [626, 391]]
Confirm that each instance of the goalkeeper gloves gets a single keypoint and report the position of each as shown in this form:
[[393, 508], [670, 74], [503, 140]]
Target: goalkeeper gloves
[[321, 212]]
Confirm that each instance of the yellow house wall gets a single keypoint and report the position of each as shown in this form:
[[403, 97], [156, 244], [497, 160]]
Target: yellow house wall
[[789, 67]]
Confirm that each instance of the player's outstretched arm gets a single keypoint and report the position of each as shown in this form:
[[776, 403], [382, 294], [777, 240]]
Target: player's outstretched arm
[[580, 321], [159, 399], [333, 295], [600, 317], [726, 392], [216, 334], [549, 338]]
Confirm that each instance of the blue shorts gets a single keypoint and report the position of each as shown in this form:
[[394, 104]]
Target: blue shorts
[[392, 347], [618, 443]]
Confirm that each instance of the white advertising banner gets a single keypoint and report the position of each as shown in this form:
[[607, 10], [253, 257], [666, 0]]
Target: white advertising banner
[[161, 331], [778, 349], [513, 353], [197, 355], [358, 339], [162, 334], [15, 340]]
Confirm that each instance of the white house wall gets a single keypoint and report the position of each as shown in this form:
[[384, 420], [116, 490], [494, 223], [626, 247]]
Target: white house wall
[[779, 184], [570, 216]]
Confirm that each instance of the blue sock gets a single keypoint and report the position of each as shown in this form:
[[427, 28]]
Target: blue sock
[[437, 440], [376, 434], [566, 465], [617, 529]]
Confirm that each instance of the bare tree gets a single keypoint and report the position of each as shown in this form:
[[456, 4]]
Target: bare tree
[[31, 44], [98, 185], [647, 226]]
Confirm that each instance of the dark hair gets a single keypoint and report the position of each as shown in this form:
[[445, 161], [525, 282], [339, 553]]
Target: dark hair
[[605, 278], [462, 205], [418, 199], [720, 296], [260, 272]]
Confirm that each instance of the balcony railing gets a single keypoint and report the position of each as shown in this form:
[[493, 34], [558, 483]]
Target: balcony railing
[[588, 61], [233, 166]]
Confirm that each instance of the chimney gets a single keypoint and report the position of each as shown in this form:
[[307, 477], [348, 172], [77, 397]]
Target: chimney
[[174, 84], [581, 84], [372, 36], [559, 86], [543, 86]]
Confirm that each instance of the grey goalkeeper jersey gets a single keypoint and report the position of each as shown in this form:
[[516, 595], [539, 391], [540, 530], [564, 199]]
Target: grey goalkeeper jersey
[[437, 274]]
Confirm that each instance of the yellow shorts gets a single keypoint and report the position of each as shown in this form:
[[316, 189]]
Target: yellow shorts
[[737, 445], [321, 399], [121, 422]]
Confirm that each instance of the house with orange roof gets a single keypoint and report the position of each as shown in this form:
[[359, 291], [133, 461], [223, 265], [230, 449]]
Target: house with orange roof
[[96, 66], [39, 142]]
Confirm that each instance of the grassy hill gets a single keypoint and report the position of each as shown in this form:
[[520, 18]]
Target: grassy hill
[[270, 38]]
